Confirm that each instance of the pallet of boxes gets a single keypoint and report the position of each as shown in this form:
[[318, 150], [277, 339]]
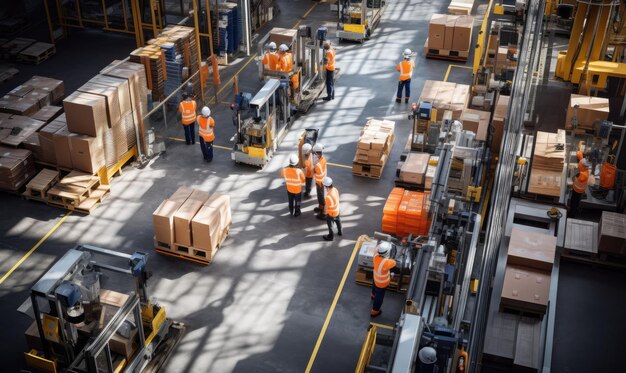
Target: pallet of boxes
[[192, 225], [373, 148], [449, 37], [548, 165]]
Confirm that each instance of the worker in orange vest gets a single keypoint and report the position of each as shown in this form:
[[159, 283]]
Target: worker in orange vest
[[285, 59], [382, 276], [405, 67], [205, 130], [308, 168], [319, 172], [270, 58], [580, 187], [294, 179], [187, 110], [329, 68], [331, 209]]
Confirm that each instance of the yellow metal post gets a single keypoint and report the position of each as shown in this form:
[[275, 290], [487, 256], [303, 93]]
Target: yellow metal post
[[125, 15], [104, 13], [137, 23]]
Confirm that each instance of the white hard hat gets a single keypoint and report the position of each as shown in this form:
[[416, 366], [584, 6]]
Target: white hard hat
[[327, 43], [407, 52], [206, 111], [383, 248], [318, 148], [327, 181], [271, 45], [283, 48], [586, 162], [306, 148], [293, 160]]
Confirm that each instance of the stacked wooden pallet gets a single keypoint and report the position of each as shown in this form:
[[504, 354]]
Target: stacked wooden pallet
[[546, 174], [153, 59], [37, 53], [373, 148], [78, 191]]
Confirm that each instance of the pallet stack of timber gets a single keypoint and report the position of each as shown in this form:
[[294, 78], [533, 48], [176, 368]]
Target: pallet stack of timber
[[546, 174], [192, 225], [461, 7], [449, 37], [373, 148], [153, 59]]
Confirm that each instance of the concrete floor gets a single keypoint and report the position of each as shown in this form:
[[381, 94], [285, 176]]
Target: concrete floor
[[260, 306]]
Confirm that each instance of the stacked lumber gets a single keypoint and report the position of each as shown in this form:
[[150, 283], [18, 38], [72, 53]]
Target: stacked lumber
[[373, 148], [546, 173], [446, 96], [406, 212], [588, 110], [78, 191], [192, 224], [461, 7], [449, 37], [17, 166], [153, 59]]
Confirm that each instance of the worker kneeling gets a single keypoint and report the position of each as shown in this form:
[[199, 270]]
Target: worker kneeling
[[579, 188], [206, 134], [331, 209], [382, 276], [294, 179]]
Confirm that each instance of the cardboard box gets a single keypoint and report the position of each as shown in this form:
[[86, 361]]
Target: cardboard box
[[20, 91], [87, 153], [113, 298], [590, 109], [123, 90], [199, 195], [54, 87], [221, 202], [111, 97], [182, 221], [205, 227], [47, 113], [181, 194], [476, 121], [612, 234], [531, 249], [283, 36], [499, 117], [437, 31], [525, 289], [46, 140], [414, 168], [63, 148], [86, 113], [463, 33], [449, 34], [40, 96], [25, 106], [163, 221]]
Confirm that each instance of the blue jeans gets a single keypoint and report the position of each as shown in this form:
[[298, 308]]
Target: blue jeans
[[406, 84], [295, 199], [190, 131], [379, 295], [207, 149], [330, 84]]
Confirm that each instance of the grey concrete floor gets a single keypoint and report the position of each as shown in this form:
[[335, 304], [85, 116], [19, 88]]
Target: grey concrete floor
[[260, 306]]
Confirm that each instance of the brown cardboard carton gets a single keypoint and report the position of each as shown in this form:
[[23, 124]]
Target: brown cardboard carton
[[476, 121], [182, 221], [86, 113], [42, 97], [463, 33], [163, 221], [181, 194], [32, 143], [437, 31], [205, 228], [21, 90], [499, 117], [54, 87], [414, 168], [46, 140], [221, 202], [449, 34], [19, 105], [47, 113], [199, 195], [590, 109], [112, 101], [123, 90], [525, 289], [283, 36], [62, 147], [612, 233], [531, 249], [87, 153]]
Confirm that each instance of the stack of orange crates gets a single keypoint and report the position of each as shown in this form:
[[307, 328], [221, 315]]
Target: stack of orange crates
[[406, 212]]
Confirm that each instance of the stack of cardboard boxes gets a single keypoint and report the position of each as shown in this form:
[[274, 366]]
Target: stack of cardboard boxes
[[28, 98], [192, 224], [446, 96], [586, 110], [413, 170], [17, 166], [153, 59], [449, 33], [406, 212], [373, 148], [546, 174], [476, 121], [497, 121]]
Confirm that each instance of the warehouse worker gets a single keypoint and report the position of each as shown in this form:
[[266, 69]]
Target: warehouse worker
[[405, 67], [308, 168], [382, 276], [270, 58], [331, 209], [329, 68], [188, 109], [285, 59], [205, 130], [294, 179], [319, 172], [580, 187]]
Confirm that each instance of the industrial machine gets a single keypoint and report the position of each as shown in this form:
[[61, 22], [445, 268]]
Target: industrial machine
[[358, 18], [79, 326], [261, 123]]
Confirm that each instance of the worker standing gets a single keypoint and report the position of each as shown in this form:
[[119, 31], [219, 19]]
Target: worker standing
[[329, 67], [205, 130], [319, 172], [188, 109], [331, 209], [285, 59], [405, 67], [382, 276], [270, 58], [579, 188], [294, 179], [308, 168]]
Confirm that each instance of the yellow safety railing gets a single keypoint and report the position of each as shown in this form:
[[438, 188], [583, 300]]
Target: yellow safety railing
[[482, 39]]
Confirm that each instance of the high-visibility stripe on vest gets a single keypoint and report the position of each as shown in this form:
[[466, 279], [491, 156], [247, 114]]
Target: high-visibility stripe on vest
[[188, 110], [406, 70], [382, 276], [285, 62], [308, 166], [294, 178], [205, 128], [580, 182], [320, 171], [330, 56], [332, 203]]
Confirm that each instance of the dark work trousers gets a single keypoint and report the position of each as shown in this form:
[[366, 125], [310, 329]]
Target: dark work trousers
[[207, 149], [330, 84], [307, 185], [295, 200], [406, 84], [320, 195], [329, 222], [190, 132], [379, 295], [574, 202]]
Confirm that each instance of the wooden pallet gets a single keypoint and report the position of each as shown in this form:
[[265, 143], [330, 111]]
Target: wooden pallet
[[37, 188], [194, 254], [72, 190], [13, 48], [37, 53], [7, 73], [445, 54]]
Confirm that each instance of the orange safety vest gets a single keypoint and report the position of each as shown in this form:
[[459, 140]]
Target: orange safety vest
[[205, 128], [580, 182], [294, 178], [330, 56], [188, 110], [285, 62], [320, 171], [332, 202], [406, 69], [382, 276], [308, 166], [269, 61]]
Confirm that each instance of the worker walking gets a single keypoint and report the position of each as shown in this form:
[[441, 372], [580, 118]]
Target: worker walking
[[382, 276], [329, 68], [270, 58], [294, 179], [205, 130], [319, 172], [579, 188], [331, 209], [188, 108], [308, 168], [405, 67]]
